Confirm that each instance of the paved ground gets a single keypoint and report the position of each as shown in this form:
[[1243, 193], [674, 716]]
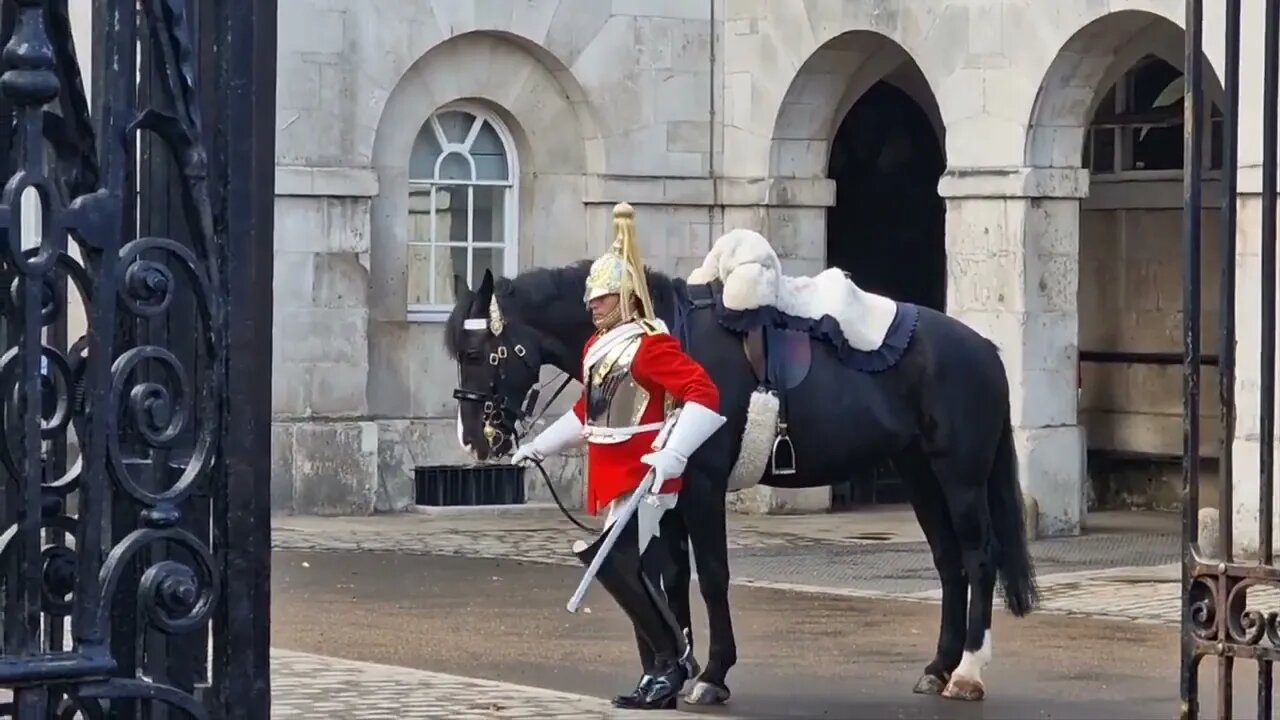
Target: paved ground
[[1124, 567], [489, 623]]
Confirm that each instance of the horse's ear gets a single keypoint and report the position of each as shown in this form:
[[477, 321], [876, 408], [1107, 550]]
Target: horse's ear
[[480, 301], [460, 289]]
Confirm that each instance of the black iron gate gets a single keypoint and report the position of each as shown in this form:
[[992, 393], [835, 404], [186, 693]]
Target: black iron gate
[[1226, 613], [134, 435]]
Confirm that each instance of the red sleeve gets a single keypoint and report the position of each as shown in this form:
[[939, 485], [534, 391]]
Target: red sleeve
[[660, 362]]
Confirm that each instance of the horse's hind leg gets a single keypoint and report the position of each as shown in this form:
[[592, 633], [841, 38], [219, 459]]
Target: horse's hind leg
[[966, 498], [676, 577], [709, 534], [931, 512]]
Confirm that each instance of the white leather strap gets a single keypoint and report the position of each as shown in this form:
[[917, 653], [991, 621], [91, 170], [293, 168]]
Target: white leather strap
[[618, 433]]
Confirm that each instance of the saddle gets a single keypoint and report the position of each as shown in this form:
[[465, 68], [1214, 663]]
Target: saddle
[[779, 358], [780, 318]]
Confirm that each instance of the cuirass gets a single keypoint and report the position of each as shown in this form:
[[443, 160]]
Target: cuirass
[[614, 398]]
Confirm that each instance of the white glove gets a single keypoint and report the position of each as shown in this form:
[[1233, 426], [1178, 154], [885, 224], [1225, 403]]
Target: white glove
[[561, 435], [695, 424]]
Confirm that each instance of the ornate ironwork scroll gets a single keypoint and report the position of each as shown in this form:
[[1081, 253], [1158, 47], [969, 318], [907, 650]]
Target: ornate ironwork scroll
[[118, 516], [1231, 606]]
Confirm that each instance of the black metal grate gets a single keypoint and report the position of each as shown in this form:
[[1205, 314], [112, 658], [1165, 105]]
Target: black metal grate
[[468, 485]]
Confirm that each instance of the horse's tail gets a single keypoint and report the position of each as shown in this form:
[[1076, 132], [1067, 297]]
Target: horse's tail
[[1004, 498]]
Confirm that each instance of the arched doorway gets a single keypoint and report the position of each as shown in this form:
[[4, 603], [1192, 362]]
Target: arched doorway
[[887, 228]]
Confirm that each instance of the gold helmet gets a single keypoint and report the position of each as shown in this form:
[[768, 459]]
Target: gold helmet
[[620, 271]]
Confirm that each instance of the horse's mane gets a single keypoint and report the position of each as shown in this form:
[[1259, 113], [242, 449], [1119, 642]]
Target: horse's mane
[[554, 297]]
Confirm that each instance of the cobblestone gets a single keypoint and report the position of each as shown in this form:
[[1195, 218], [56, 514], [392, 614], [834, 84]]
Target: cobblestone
[[314, 686]]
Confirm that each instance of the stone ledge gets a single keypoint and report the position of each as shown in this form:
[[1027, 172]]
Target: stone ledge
[[708, 192], [304, 181], [1014, 182]]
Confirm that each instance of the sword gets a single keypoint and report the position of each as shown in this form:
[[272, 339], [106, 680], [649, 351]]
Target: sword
[[621, 518]]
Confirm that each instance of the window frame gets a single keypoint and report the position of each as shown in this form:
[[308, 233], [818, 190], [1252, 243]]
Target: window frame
[[1121, 144], [437, 313]]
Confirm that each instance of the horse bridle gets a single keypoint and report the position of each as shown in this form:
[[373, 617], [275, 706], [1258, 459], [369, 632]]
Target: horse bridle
[[496, 407]]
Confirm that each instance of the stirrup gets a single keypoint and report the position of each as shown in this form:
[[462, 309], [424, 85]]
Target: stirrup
[[783, 460]]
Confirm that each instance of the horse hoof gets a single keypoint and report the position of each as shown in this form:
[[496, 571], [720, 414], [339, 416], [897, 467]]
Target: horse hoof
[[961, 688], [705, 693], [930, 685]]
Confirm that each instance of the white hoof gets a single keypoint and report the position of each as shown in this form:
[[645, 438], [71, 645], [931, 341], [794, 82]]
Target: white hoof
[[705, 693]]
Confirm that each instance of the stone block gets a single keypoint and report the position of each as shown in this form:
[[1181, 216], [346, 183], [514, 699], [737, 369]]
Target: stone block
[[290, 389], [1051, 467], [282, 468], [322, 336], [335, 468], [762, 500], [341, 280], [293, 280], [339, 390], [322, 224], [682, 9], [688, 136], [1246, 473]]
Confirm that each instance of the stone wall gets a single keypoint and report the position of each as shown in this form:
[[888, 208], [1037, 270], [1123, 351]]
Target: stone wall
[[706, 116]]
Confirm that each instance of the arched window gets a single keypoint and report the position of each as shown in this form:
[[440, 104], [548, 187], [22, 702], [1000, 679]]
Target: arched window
[[462, 206], [1137, 127]]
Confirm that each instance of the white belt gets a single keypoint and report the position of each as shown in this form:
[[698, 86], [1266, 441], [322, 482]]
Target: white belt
[[599, 434]]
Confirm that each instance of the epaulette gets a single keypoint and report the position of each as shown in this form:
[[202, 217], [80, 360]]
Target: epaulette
[[649, 327]]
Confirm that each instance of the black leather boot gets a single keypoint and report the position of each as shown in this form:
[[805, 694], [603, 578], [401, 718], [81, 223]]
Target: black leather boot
[[623, 577]]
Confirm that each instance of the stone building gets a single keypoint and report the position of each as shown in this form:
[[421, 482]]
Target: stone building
[[1016, 162]]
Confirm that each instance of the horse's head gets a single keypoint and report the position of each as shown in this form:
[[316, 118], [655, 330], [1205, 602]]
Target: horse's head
[[499, 358]]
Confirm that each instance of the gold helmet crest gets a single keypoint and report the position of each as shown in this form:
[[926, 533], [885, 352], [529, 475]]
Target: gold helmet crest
[[620, 271]]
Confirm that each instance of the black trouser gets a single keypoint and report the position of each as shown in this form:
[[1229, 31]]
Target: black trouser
[[635, 583]]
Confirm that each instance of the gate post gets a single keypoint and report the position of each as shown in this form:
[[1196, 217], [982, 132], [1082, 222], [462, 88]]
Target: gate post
[[155, 529], [1222, 616], [246, 157]]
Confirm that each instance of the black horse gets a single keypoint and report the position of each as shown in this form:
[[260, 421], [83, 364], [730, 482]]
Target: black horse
[[940, 413]]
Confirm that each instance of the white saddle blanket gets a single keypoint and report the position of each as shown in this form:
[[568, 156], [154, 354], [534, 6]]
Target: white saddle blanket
[[752, 276]]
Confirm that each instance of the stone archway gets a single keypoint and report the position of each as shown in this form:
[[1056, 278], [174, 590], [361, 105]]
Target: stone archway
[[887, 228], [1109, 103]]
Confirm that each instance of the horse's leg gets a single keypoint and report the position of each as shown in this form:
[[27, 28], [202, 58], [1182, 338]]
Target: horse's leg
[[676, 577], [709, 536], [931, 512], [965, 489]]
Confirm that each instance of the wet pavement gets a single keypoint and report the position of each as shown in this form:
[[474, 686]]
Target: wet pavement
[[800, 654]]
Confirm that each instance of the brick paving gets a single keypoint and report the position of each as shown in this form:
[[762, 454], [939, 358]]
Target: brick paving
[[1128, 574], [314, 686]]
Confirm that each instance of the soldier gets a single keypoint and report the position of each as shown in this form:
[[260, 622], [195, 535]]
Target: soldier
[[646, 407]]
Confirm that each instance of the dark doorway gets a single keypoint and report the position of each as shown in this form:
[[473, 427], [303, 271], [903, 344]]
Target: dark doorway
[[887, 229]]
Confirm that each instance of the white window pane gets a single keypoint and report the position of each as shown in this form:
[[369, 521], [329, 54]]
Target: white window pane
[[490, 218], [448, 261], [455, 167], [492, 168], [455, 124], [490, 155], [422, 161], [419, 275], [451, 214], [420, 226], [485, 259]]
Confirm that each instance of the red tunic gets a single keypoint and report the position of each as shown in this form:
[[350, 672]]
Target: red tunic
[[661, 368]]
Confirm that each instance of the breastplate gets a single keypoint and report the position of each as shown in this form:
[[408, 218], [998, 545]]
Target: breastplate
[[614, 398]]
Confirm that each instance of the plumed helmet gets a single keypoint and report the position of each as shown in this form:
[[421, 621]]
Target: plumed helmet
[[620, 271]]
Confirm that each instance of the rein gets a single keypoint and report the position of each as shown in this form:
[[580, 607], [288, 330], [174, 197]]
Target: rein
[[496, 406]]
